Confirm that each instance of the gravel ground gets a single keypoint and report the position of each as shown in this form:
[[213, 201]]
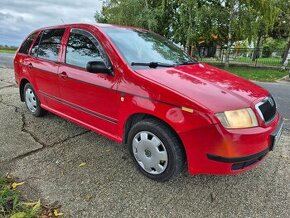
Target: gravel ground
[[46, 154]]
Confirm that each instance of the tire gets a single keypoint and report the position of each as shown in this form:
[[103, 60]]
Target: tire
[[32, 102], [156, 150]]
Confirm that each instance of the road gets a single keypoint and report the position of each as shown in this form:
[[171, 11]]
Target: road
[[46, 153], [6, 60], [281, 93]]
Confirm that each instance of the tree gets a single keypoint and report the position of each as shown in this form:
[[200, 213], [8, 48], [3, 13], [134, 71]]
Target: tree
[[196, 22], [247, 19], [190, 22], [154, 15], [265, 20], [282, 28]]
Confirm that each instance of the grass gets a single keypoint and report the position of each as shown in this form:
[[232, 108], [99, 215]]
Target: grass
[[258, 74], [12, 203], [247, 60], [10, 51], [264, 61]]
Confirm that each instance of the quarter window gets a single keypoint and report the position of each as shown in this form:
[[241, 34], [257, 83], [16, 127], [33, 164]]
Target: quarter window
[[47, 44], [36, 45], [81, 48], [24, 49]]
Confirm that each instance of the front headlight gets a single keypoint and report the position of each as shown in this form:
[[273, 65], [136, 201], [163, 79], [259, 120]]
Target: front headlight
[[243, 118]]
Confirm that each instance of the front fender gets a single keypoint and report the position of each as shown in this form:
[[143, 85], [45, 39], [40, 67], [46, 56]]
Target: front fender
[[177, 117]]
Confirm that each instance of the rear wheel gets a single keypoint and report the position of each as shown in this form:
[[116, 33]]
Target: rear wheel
[[32, 102], [156, 150]]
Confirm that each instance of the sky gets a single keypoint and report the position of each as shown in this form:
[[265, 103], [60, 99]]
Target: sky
[[20, 17]]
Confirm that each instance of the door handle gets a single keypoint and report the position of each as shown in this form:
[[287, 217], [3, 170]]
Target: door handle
[[63, 75], [30, 65]]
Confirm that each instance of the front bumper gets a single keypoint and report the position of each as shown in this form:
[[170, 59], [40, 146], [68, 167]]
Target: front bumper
[[215, 150]]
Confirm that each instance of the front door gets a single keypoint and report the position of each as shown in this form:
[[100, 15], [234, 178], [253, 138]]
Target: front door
[[88, 97]]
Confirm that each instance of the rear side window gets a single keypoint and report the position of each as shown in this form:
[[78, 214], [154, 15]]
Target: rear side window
[[81, 48], [47, 44], [24, 49]]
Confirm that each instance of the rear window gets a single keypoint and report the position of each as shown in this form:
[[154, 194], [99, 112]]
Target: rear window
[[47, 44], [24, 49]]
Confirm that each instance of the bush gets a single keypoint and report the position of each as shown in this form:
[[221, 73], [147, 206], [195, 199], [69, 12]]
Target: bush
[[266, 52]]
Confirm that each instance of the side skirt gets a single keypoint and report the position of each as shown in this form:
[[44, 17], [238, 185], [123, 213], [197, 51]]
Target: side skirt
[[85, 125]]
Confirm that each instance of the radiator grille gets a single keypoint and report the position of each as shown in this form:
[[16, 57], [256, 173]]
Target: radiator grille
[[267, 109]]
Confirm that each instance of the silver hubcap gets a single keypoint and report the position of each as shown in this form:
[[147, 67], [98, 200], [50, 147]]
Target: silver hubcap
[[30, 100], [150, 152]]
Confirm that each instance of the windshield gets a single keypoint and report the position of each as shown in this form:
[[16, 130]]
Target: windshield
[[138, 46]]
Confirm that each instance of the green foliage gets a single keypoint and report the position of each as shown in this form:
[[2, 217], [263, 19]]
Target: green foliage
[[10, 51], [274, 44], [8, 198], [266, 52], [191, 22], [7, 49], [10, 205], [281, 28], [145, 14]]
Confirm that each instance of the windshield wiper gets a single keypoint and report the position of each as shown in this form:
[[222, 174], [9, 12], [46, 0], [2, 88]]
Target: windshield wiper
[[152, 64], [188, 63]]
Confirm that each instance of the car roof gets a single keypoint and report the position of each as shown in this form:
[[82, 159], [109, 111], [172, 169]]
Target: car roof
[[100, 25]]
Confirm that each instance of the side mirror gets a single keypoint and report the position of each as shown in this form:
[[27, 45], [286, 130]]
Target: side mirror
[[98, 67]]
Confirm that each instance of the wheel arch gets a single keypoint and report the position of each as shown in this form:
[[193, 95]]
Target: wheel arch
[[137, 117], [23, 82]]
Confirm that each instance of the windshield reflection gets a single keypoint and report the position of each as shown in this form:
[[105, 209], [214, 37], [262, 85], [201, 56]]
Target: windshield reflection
[[143, 47]]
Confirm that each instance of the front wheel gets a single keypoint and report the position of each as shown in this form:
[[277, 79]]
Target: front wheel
[[156, 150], [32, 102]]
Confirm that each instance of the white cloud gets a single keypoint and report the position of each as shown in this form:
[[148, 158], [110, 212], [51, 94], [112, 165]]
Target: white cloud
[[18, 18]]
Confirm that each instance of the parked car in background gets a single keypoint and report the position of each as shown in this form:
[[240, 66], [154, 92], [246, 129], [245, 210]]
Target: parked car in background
[[137, 88]]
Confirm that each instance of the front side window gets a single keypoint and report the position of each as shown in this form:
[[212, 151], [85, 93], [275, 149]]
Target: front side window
[[81, 48], [24, 49], [47, 44]]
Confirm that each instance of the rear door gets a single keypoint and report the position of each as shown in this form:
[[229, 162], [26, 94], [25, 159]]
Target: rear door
[[23, 56], [45, 64], [89, 97]]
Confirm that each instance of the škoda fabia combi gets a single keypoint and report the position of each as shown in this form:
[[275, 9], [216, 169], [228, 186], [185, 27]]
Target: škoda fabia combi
[[137, 88]]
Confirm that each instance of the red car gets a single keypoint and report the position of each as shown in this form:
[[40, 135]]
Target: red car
[[137, 88]]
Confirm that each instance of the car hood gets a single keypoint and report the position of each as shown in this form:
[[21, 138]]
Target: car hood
[[210, 87]]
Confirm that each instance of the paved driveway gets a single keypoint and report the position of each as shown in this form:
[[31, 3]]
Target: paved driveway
[[46, 153]]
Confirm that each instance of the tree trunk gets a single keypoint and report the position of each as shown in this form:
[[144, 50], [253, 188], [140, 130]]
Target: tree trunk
[[286, 51], [230, 29], [227, 62], [257, 48], [218, 52]]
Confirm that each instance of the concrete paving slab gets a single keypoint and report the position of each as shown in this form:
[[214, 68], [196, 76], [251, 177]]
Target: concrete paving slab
[[21, 133], [4, 84], [13, 140], [7, 75]]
